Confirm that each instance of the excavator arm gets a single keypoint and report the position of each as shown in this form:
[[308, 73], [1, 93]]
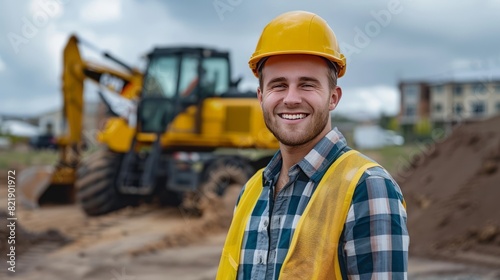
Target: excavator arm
[[75, 72], [72, 89], [56, 183]]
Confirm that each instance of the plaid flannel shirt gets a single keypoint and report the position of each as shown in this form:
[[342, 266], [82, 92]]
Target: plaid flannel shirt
[[374, 241]]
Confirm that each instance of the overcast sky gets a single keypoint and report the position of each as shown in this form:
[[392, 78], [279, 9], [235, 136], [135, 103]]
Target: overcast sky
[[384, 40]]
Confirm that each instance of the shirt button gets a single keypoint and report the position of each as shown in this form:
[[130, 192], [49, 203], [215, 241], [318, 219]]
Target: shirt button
[[266, 223]]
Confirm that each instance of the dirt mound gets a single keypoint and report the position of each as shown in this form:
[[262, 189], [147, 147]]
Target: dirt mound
[[452, 192], [24, 240]]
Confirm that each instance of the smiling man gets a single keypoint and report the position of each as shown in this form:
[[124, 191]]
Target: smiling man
[[319, 210]]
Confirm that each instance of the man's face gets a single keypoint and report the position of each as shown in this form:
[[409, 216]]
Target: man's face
[[296, 98]]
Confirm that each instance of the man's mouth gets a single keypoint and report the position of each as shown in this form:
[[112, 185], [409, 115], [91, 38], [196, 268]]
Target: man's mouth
[[292, 116]]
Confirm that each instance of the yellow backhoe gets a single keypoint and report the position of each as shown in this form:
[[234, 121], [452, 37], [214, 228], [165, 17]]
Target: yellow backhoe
[[194, 133], [40, 184]]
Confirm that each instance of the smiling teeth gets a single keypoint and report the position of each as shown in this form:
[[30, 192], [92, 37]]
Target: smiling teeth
[[293, 116]]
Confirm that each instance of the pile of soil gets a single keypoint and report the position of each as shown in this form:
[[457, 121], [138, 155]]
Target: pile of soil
[[452, 192], [24, 240]]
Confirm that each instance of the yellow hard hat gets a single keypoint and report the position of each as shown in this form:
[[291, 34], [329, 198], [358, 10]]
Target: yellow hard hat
[[298, 32]]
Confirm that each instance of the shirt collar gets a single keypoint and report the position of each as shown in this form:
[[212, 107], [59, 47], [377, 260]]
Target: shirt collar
[[316, 161]]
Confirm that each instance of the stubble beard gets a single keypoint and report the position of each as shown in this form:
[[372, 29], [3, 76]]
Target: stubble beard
[[294, 137]]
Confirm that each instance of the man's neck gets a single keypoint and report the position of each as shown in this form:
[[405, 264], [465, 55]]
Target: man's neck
[[291, 155]]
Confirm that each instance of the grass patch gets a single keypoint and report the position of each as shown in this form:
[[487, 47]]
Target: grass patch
[[393, 158], [20, 158], [14, 159]]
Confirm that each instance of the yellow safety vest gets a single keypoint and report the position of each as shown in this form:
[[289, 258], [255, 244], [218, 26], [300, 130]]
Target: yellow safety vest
[[313, 252]]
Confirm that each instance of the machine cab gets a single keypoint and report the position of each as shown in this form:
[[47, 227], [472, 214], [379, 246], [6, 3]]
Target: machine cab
[[177, 78]]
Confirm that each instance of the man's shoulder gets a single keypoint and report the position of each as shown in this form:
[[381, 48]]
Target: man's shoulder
[[374, 171], [377, 182], [377, 171]]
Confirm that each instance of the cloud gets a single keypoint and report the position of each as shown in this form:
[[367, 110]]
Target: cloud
[[101, 11], [2, 65], [51, 8], [370, 100], [40, 60]]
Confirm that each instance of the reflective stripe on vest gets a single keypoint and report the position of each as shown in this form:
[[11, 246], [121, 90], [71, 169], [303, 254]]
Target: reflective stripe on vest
[[313, 252]]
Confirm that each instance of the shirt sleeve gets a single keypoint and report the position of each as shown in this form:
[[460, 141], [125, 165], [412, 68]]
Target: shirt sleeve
[[375, 238]]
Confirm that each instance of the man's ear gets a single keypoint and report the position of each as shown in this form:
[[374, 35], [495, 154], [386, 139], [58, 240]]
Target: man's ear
[[259, 95], [335, 96]]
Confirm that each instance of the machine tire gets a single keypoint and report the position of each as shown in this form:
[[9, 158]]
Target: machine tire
[[95, 187], [216, 179], [225, 172]]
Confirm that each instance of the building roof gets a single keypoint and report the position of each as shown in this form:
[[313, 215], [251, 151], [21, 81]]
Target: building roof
[[459, 76], [471, 76], [18, 128]]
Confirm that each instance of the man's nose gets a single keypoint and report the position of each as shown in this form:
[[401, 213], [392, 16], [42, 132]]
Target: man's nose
[[292, 97]]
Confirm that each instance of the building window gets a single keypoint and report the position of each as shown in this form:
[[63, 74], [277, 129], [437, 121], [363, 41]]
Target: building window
[[438, 107], [458, 109], [457, 90], [478, 88], [410, 111], [438, 89], [410, 93], [478, 108], [498, 107]]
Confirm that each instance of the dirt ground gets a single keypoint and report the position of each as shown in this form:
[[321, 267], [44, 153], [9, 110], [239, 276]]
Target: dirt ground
[[148, 243], [60, 242]]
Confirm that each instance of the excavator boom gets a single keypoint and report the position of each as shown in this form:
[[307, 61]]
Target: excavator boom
[[41, 184]]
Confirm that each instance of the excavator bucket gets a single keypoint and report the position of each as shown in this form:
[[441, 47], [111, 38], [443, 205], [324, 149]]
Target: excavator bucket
[[45, 184]]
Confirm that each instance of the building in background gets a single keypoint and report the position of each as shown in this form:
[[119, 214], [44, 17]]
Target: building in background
[[18, 125], [465, 97], [443, 101], [51, 122], [414, 106]]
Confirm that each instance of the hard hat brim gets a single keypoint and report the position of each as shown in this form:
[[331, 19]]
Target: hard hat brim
[[254, 61]]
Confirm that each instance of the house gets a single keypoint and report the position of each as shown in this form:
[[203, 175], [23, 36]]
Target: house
[[18, 128], [414, 106], [51, 122], [18, 125], [446, 100], [465, 96]]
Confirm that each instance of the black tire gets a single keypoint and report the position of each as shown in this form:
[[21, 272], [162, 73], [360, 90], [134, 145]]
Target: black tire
[[217, 177], [96, 184], [225, 172]]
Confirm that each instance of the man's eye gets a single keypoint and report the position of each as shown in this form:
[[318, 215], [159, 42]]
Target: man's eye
[[308, 86], [278, 86]]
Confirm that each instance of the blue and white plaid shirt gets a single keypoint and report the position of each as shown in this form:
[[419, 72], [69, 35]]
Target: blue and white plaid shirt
[[374, 242]]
